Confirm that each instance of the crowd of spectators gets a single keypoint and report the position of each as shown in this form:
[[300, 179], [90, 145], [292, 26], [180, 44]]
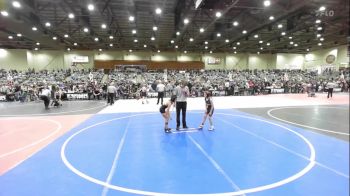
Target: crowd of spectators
[[26, 85], [232, 82]]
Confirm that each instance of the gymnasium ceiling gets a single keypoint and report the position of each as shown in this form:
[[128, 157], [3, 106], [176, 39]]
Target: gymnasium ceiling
[[296, 18]]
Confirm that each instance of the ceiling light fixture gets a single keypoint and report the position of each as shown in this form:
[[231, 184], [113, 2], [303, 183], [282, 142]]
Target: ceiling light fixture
[[158, 11], [103, 26], [271, 18], [267, 3], [218, 14], [71, 15], [47, 24], [16, 4], [244, 31], [4, 13], [34, 28], [322, 8], [131, 18], [186, 21], [91, 7], [201, 30]]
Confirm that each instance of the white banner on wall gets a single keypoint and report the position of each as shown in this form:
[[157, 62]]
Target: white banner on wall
[[77, 96], [213, 61], [294, 66], [80, 59]]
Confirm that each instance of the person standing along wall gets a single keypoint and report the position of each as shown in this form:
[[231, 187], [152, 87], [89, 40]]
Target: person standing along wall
[[330, 86], [160, 90], [111, 91]]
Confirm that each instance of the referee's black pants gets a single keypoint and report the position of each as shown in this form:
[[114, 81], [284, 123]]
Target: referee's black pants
[[160, 96], [330, 92], [181, 106], [46, 101], [110, 99]]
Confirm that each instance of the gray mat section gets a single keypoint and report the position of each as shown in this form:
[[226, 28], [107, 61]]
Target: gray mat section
[[38, 108], [333, 118]]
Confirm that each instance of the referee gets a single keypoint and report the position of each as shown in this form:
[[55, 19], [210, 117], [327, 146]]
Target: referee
[[181, 92], [45, 96], [160, 90], [111, 91]]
